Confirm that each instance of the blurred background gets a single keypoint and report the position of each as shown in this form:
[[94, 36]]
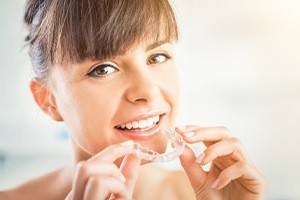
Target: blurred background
[[239, 64]]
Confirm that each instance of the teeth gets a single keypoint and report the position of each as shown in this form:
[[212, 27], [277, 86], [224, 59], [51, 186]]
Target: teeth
[[135, 124], [140, 124], [149, 122], [129, 126], [155, 119]]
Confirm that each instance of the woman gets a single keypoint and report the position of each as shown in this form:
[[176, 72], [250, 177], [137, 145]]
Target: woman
[[106, 68]]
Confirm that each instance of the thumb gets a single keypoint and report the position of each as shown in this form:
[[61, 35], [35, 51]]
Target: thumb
[[194, 171], [130, 169]]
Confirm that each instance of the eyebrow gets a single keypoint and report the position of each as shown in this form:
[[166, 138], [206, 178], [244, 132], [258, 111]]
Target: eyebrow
[[155, 44]]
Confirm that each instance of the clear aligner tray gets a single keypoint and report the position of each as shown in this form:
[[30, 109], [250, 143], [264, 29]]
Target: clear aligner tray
[[177, 145]]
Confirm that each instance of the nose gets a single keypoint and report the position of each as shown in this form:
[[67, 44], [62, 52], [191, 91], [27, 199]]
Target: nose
[[143, 88]]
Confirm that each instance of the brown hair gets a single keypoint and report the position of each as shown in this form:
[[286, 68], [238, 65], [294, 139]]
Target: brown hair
[[74, 30]]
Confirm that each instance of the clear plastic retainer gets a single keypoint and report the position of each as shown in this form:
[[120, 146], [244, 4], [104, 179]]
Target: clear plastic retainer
[[177, 145]]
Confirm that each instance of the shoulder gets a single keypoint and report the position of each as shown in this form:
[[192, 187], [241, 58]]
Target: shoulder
[[52, 185]]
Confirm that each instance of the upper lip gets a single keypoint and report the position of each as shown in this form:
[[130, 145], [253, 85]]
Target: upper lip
[[142, 116]]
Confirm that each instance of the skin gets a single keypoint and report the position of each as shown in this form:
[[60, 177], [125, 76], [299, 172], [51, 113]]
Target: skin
[[103, 168]]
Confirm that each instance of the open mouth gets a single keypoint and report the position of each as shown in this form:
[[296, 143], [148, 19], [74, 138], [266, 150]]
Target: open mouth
[[144, 129]]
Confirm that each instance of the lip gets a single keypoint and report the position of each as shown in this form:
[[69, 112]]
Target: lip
[[143, 134]]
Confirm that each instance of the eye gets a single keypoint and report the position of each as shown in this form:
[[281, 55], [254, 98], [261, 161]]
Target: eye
[[102, 70], [158, 58]]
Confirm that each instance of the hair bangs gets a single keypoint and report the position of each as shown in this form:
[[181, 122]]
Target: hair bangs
[[97, 30]]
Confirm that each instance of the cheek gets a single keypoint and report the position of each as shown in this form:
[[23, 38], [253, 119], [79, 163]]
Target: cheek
[[174, 86], [174, 96], [170, 90], [88, 111]]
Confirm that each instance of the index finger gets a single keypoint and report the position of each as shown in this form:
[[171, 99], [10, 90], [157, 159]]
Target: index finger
[[130, 169], [113, 152], [194, 134]]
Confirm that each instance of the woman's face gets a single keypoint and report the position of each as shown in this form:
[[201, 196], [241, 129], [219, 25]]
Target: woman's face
[[96, 99]]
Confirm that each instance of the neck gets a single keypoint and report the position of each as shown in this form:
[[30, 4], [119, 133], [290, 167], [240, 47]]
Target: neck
[[79, 153]]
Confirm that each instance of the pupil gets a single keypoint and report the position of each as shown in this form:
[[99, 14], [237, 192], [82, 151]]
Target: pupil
[[102, 70]]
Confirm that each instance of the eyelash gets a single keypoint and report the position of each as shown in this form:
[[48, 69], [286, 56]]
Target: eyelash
[[93, 72]]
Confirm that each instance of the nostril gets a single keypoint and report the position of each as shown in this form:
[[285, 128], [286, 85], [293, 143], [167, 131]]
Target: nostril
[[141, 100]]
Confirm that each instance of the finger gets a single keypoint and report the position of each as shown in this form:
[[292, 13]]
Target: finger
[[195, 173], [231, 147], [130, 169], [113, 152], [84, 170], [207, 135], [187, 128], [235, 171], [101, 187]]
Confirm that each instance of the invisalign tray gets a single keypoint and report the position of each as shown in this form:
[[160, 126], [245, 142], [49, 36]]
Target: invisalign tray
[[177, 144]]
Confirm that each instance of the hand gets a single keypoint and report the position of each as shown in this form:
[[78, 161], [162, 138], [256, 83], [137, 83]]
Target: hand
[[99, 178], [232, 175]]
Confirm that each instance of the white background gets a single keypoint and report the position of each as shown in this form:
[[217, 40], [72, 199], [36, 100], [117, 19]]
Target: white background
[[239, 63]]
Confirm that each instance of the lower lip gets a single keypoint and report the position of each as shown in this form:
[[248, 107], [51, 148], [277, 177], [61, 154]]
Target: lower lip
[[143, 134]]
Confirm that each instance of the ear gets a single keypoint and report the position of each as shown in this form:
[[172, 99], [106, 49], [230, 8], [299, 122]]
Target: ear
[[44, 99]]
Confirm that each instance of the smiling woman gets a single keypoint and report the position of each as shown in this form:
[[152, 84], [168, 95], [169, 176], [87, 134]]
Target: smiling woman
[[106, 68]]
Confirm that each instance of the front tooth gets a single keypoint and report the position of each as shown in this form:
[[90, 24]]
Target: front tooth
[[123, 126], [149, 122], [142, 124], [129, 126], [135, 124], [156, 119]]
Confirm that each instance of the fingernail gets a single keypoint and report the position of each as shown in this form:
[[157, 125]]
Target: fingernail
[[215, 184], [127, 143], [182, 127], [200, 158], [189, 134]]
